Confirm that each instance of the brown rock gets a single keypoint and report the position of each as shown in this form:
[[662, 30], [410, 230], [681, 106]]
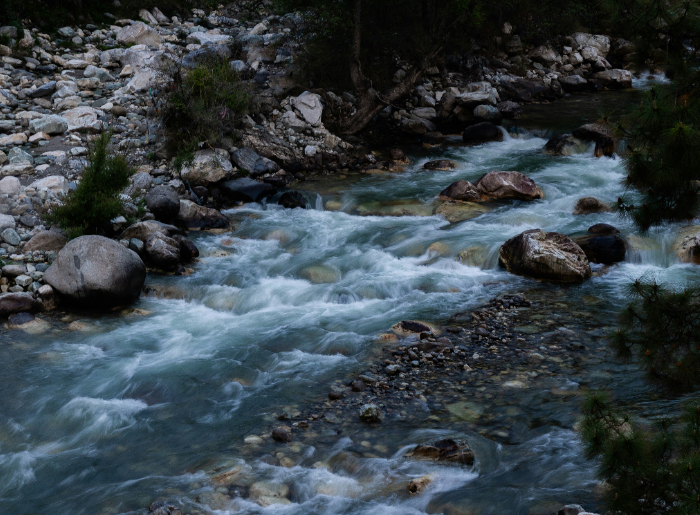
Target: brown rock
[[508, 185], [47, 241], [589, 205], [282, 434], [444, 450], [440, 164], [463, 190]]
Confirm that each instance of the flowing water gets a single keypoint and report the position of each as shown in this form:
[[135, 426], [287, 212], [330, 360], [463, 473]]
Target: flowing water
[[145, 403]]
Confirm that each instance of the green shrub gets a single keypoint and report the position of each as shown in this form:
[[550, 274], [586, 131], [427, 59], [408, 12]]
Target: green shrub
[[648, 470], [202, 105], [95, 202]]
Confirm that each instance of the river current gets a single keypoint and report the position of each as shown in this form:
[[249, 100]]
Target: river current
[[140, 404]]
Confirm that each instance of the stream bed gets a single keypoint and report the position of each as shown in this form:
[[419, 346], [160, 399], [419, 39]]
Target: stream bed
[[102, 415]]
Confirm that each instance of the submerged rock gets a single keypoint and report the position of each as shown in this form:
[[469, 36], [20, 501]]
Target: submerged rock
[[292, 199], [95, 270], [417, 485], [458, 211], [444, 450], [545, 255], [371, 413], [440, 164]]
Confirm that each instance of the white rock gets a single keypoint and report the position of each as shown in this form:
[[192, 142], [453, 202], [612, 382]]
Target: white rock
[[9, 186], [310, 107], [13, 139], [139, 33], [83, 118], [147, 17], [310, 150]]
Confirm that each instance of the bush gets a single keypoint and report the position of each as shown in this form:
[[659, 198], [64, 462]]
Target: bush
[[95, 202], [650, 470], [202, 105], [663, 327]]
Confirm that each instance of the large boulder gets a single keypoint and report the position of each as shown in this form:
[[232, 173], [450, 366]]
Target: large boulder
[[194, 216], [50, 124], [601, 44], [95, 270], [293, 199], [142, 230], [310, 107], [162, 251], [11, 303], [249, 160], [487, 113], [593, 131], [545, 55], [138, 33], [564, 145], [545, 255], [83, 118], [463, 190], [614, 78], [589, 205], [498, 185], [573, 83], [484, 131], [208, 167], [247, 190], [510, 110], [163, 202], [46, 241], [602, 245]]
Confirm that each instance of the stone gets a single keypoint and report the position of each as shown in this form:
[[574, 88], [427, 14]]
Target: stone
[[160, 17], [194, 216], [441, 165], [481, 132], [417, 485], [687, 245], [188, 250], [137, 246], [13, 139], [545, 255], [426, 113], [22, 280], [147, 17], [457, 211], [463, 190], [44, 90], [247, 190], [139, 33], [310, 107], [498, 185], [564, 145], [510, 110], [603, 229], [605, 146], [56, 184], [10, 186], [573, 83], [95, 270], [13, 270], [409, 327], [46, 241], [593, 131], [208, 167], [17, 156], [602, 248], [83, 118], [588, 205], [163, 202], [10, 237], [47, 297], [162, 251], [487, 113], [614, 79], [397, 155], [247, 159], [444, 450], [433, 138], [11, 303], [571, 509], [545, 55], [293, 199], [282, 434], [601, 44], [142, 230], [264, 490], [370, 413]]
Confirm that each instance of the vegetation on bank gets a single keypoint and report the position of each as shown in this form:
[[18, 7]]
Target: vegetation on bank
[[90, 208], [203, 105]]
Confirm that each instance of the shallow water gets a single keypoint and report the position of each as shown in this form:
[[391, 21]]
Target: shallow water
[[146, 404]]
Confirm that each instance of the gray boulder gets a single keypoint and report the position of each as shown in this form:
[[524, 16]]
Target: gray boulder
[[614, 78], [487, 113], [194, 216], [208, 167], [142, 230], [44, 90], [51, 124], [545, 255], [162, 251], [573, 83], [95, 270], [481, 132], [163, 202], [249, 160], [139, 33], [11, 303], [247, 190]]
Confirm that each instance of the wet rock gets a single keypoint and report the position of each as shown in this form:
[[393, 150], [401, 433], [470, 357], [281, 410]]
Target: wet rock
[[408, 327], [266, 493], [589, 205], [510, 110], [282, 434], [473, 256], [188, 250], [441, 165], [417, 485], [605, 146], [247, 190], [142, 230], [602, 248], [162, 251], [545, 255], [163, 202], [573, 83], [463, 190], [614, 79], [433, 138], [336, 393], [686, 246], [292, 199], [370, 413], [564, 145], [208, 167], [46, 241], [487, 113], [138, 33], [603, 229], [97, 271], [571, 509], [444, 450], [320, 274], [457, 211], [508, 185], [593, 131], [398, 156], [11, 303], [481, 132], [194, 216], [358, 386]]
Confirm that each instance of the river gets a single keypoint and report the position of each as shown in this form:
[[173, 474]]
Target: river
[[129, 406]]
